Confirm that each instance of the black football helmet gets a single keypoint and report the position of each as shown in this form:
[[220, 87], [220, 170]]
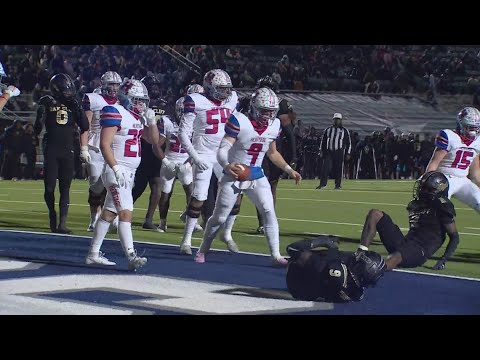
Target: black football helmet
[[367, 267], [62, 87], [153, 86], [267, 81], [431, 186]]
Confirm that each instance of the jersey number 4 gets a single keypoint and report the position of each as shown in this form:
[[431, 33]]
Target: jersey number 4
[[214, 116], [463, 158], [135, 140]]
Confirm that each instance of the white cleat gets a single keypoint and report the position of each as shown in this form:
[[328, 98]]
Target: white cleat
[[186, 249], [162, 228], [135, 261], [98, 259], [231, 245]]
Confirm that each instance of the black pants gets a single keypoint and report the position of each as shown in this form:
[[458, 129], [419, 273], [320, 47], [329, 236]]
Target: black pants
[[58, 163], [146, 172], [310, 164], [11, 166], [209, 204], [332, 160], [30, 167]]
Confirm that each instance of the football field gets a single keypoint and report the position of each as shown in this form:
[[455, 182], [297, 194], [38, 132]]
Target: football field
[[302, 212]]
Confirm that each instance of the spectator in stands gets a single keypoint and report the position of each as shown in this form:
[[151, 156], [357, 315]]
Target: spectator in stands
[[12, 149]]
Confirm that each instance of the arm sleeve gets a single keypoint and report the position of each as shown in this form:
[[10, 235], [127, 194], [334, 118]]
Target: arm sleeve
[[304, 245], [348, 142], [441, 141], [323, 143], [186, 126], [288, 131], [110, 116], [223, 149], [38, 126], [452, 245], [81, 120]]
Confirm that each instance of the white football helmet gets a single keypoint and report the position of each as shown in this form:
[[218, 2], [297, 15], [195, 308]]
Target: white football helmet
[[195, 89], [110, 83], [179, 109], [138, 98], [264, 106], [469, 122], [217, 84]]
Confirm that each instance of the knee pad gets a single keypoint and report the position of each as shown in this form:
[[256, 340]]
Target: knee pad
[[96, 199], [194, 211]]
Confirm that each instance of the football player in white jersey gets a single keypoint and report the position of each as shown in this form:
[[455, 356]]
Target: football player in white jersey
[[122, 128], [175, 164], [205, 115], [247, 139], [455, 151], [93, 103]]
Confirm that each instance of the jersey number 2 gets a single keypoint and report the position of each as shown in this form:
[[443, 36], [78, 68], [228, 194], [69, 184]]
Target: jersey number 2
[[214, 116], [135, 140], [462, 159]]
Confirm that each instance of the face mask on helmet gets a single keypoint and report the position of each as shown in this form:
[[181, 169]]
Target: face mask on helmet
[[110, 84], [367, 268], [431, 186], [62, 87], [263, 106], [138, 98], [217, 85], [469, 122]]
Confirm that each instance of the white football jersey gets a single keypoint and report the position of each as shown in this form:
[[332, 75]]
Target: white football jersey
[[95, 103], [126, 142], [174, 150], [252, 143], [461, 152], [210, 119]]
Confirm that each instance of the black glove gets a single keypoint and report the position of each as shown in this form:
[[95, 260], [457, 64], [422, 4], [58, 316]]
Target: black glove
[[440, 265]]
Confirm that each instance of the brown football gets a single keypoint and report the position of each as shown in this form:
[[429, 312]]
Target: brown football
[[243, 171]]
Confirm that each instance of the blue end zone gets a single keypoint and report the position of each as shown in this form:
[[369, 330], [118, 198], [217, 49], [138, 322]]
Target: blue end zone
[[397, 293]]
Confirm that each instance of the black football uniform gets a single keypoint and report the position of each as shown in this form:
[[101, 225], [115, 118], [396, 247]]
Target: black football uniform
[[321, 275], [427, 231], [60, 121]]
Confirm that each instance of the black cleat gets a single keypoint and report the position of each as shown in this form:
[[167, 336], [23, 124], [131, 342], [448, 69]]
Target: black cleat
[[63, 230]]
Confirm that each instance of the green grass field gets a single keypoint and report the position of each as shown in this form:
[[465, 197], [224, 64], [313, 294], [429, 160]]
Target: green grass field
[[302, 212]]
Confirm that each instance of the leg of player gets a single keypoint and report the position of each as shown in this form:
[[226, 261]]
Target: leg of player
[[228, 225], [167, 181], [153, 202], [263, 200], [50, 169], [193, 212], [95, 201], [95, 256], [226, 199], [370, 228], [65, 177], [96, 192]]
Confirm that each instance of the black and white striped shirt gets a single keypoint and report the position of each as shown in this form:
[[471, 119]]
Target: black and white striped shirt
[[336, 138]]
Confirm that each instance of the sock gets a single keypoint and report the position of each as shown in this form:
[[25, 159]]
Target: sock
[[148, 220], [126, 237], [272, 234], [188, 231], [228, 226], [211, 231], [101, 229]]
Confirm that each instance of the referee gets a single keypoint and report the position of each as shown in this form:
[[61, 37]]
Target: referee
[[335, 142]]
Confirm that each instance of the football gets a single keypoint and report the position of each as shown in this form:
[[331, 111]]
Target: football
[[243, 171]]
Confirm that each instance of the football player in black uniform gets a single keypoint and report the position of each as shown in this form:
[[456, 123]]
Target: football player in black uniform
[[431, 216], [60, 113], [285, 144], [148, 171], [330, 275]]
